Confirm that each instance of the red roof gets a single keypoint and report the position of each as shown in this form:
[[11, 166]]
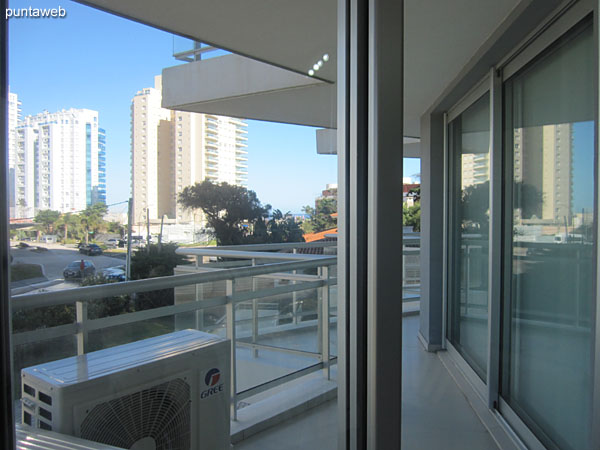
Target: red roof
[[312, 237]]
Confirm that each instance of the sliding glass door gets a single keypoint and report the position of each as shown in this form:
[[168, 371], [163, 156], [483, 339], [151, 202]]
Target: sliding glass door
[[550, 243], [469, 139]]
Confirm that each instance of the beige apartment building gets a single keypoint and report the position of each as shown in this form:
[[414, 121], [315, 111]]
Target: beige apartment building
[[174, 149]]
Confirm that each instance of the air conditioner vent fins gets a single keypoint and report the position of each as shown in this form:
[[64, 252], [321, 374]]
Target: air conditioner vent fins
[[161, 412]]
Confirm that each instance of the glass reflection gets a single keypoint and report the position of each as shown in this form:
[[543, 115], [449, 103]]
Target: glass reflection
[[468, 300], [547, 349]]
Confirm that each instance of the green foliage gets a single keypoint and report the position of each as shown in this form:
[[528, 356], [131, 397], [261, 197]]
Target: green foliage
[[110, 306], [411, 216], [70, 224], [320, 217], [227, 208], [237, 215], [155, 263], [151, 264], [48, 316], [415, 193], [20, 272], [144, 265], [92, 219], [283, 228], [46, 218], [76, 226], [116, 227]]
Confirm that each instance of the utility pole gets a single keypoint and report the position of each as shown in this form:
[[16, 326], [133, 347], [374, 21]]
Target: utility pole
[[129, 225], [148, 230], [162, 221]]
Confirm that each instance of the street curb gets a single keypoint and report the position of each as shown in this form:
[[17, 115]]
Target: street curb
[[33, 287]]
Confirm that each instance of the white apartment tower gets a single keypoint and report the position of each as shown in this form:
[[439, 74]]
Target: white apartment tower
[[173, 149], [547, 172], [60, 162], [14, 115], [146, 116]]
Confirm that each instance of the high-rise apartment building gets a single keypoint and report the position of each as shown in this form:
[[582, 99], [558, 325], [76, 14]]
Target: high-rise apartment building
[[547, 174], [173, 149], [59, 162], [14, 115]]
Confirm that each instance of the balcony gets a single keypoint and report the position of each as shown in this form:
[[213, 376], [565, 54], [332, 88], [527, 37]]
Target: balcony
[[279, 310], [437, 411], [276, 303]]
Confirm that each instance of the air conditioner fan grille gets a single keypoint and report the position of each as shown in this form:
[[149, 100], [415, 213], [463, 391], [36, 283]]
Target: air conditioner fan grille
[[161, 412]]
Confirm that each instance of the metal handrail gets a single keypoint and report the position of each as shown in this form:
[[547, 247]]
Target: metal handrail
[[260, 247], [285, 268], [83, 326], [85, 294]]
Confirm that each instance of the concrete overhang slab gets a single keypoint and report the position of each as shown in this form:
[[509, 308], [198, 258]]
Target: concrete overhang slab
[[327, 144], [288, 33], [236, 86], [441, 37]]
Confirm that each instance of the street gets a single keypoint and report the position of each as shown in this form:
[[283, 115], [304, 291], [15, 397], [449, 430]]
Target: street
[[57, 257]]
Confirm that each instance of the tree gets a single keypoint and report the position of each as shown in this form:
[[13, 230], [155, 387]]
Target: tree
[[283, 228], [47, 219], [69, 222], [109, 306], [232, 211], [92, 219], [155, 263], [320, 217], [415, 193], [411, 216], [116, 227], [474, 207]]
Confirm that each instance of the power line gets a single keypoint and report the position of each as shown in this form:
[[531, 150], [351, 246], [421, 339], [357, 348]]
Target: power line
[[75, 212]]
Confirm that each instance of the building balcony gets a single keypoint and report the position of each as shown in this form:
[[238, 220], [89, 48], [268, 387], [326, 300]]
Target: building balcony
[[284, 345]]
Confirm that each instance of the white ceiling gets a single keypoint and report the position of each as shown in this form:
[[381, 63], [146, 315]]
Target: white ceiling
[[441, 36]]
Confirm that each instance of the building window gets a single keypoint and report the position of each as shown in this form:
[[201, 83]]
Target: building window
[[550, 250], [469, 137]]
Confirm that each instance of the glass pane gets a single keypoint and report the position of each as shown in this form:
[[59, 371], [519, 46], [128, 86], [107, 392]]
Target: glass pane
[[468, 305], [547, 371]]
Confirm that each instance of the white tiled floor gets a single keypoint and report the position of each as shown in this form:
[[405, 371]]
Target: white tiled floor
[[435, 415]]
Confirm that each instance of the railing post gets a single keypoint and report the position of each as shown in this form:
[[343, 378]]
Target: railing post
[[254, 314], [81, 310], [230, 309], [325, 322], [295, 297], [319, 316], [199, 311]]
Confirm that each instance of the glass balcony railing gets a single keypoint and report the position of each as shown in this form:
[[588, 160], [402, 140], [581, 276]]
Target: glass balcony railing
[[273, 307], [276, 303]]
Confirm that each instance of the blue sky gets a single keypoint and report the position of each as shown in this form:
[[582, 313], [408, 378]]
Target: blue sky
[[94, 60], [583, 170]]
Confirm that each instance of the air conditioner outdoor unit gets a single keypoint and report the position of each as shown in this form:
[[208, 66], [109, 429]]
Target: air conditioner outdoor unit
[[167, 392]]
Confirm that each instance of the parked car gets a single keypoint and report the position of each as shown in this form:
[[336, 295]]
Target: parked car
[[90, 249], [114, 273], [112, 242], [74, 270]]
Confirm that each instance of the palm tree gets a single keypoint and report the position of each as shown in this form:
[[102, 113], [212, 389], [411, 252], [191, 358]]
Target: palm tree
[[69, 221], [92, 218]]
